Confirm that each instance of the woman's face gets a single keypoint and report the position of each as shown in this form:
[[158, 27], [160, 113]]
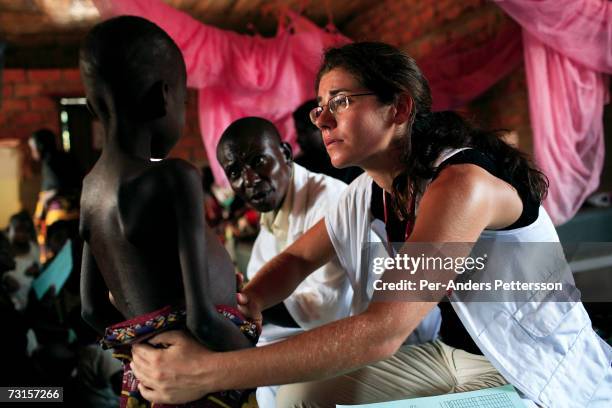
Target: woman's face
[[359, 135]]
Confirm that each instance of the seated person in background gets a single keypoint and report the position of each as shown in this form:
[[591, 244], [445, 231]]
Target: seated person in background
[[26, 255], [61, 185], [242, 220], [98, 374], [7, 261], [58, 236], [146, 240], [13, 340], [314, 155], [291, 199]]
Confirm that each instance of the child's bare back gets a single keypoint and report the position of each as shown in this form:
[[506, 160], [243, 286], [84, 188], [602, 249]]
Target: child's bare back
[[133, 217], [146, 240]]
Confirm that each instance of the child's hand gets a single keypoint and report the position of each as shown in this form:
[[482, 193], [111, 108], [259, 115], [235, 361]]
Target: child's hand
[[250, 310]]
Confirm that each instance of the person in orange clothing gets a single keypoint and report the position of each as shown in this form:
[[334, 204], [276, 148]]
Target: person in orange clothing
[[58, 199]]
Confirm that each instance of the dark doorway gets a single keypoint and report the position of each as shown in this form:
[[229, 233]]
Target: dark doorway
[[79, 134]]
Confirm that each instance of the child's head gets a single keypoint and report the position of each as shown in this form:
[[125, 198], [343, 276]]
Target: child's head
[[58, 234], [134, 74], [6, 256], [21, 229], [42, 144]]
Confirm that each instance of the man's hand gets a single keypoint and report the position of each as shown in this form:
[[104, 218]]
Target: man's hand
[[170, 369], [239, 281], [250, 309]]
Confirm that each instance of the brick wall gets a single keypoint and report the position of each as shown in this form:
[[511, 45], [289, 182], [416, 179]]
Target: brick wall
[[418, 26], [506, 106], [30, 101]]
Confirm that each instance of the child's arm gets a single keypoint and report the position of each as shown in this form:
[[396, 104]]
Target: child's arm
[[204, 322], [96, 308]]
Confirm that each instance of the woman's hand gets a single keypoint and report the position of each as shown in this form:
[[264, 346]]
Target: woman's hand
[[171, 368]]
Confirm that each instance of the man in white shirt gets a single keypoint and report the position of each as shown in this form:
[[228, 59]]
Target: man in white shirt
[[291, 199]]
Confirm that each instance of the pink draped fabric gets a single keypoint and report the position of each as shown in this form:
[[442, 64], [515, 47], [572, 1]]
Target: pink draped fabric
[[579, 29], [568, 48], [239, 75], [457, 76]]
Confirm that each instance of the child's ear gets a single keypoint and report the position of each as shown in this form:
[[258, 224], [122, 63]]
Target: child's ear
[[153, 103]]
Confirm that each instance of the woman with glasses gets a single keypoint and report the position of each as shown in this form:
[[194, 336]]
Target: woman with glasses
[[429, 178]]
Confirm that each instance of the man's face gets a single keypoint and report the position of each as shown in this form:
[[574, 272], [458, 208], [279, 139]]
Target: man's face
[[258, 169]]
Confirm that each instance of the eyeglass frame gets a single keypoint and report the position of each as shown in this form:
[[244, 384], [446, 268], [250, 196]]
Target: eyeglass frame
[[311, 114]]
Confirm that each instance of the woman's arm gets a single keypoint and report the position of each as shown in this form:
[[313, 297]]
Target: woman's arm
[[186, 371], [456, 208]]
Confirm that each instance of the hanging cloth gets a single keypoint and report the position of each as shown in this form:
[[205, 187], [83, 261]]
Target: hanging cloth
[[568, 50]]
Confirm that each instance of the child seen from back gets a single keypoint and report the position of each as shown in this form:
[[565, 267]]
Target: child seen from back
[[146, 240]]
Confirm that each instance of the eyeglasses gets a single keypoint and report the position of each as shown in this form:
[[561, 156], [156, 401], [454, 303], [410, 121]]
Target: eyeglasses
[[335, 105]]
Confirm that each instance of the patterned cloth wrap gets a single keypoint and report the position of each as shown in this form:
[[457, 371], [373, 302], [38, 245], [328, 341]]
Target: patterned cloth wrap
[[121, 336]]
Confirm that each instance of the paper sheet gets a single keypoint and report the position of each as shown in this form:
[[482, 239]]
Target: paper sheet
[[56, 273], [497, 397]]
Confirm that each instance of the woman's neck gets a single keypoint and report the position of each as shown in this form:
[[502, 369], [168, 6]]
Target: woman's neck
[[385, 168], [384, 179]]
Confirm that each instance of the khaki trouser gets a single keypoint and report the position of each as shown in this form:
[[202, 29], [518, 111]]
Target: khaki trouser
[[414, 371]]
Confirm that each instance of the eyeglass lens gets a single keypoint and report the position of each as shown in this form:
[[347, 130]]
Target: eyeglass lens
[[335, 105]]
